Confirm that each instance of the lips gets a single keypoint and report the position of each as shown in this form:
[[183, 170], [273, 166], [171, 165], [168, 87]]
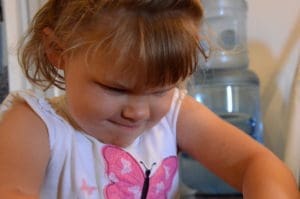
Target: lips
[[126, 125]]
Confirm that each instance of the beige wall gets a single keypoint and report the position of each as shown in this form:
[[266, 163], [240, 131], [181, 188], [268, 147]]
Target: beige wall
[[274, 46]]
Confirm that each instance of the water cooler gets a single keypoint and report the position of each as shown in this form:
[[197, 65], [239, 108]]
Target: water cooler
[[224, 84]]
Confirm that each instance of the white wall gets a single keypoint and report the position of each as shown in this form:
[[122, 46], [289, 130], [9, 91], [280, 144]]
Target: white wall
[[15, 11], [274, 46], [17, 15]]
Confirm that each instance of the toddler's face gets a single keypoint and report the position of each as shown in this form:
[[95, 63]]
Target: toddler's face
[[103, 102]]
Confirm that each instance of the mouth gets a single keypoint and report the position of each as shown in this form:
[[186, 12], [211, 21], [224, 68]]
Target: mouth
[[128, 126]]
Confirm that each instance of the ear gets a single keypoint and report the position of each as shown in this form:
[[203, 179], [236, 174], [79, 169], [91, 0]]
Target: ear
[[53, 48]]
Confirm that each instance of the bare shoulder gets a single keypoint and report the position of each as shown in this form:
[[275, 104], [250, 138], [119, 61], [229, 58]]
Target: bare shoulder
[[198, 128], [194, 120], [24, 150], [198, 123], [202, 133], [205, 136]]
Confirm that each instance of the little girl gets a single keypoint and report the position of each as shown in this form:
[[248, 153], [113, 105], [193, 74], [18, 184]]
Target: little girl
[[117, 130]]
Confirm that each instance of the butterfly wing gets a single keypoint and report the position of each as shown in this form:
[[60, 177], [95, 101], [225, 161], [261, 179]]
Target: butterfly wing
[[124, 172], [161, 181]]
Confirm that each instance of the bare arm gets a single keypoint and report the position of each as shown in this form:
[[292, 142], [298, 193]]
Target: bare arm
[[24, 153], [233, 155]]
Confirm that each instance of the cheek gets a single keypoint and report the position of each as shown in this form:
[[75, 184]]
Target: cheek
[[90, 106], [161, 107], [98, 108]]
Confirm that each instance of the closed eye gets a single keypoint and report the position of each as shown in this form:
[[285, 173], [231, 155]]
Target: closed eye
[[114, 89], [111, 88], [162, 92]]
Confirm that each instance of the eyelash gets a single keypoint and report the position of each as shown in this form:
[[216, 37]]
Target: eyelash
[[160, 93], [122, 91], [112, 89]]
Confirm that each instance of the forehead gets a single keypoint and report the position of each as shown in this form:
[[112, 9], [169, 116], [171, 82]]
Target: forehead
[[129, 73], [128, 70]]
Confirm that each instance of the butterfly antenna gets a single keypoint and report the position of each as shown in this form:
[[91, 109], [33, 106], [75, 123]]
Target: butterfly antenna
[[153, 164], [146, 168]]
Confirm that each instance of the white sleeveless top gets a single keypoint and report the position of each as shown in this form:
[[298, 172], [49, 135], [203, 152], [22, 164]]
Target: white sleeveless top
[[82, 167]]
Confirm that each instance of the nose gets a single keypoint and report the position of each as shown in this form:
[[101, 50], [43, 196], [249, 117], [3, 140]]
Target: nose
[[136, 109]]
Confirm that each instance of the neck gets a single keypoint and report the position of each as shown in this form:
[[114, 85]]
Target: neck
[[60, 107]]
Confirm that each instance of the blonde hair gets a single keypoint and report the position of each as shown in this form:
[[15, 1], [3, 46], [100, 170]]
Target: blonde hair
[[161, 34]]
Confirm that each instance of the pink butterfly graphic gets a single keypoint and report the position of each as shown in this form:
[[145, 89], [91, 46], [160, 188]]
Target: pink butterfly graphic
[[130, 181]]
